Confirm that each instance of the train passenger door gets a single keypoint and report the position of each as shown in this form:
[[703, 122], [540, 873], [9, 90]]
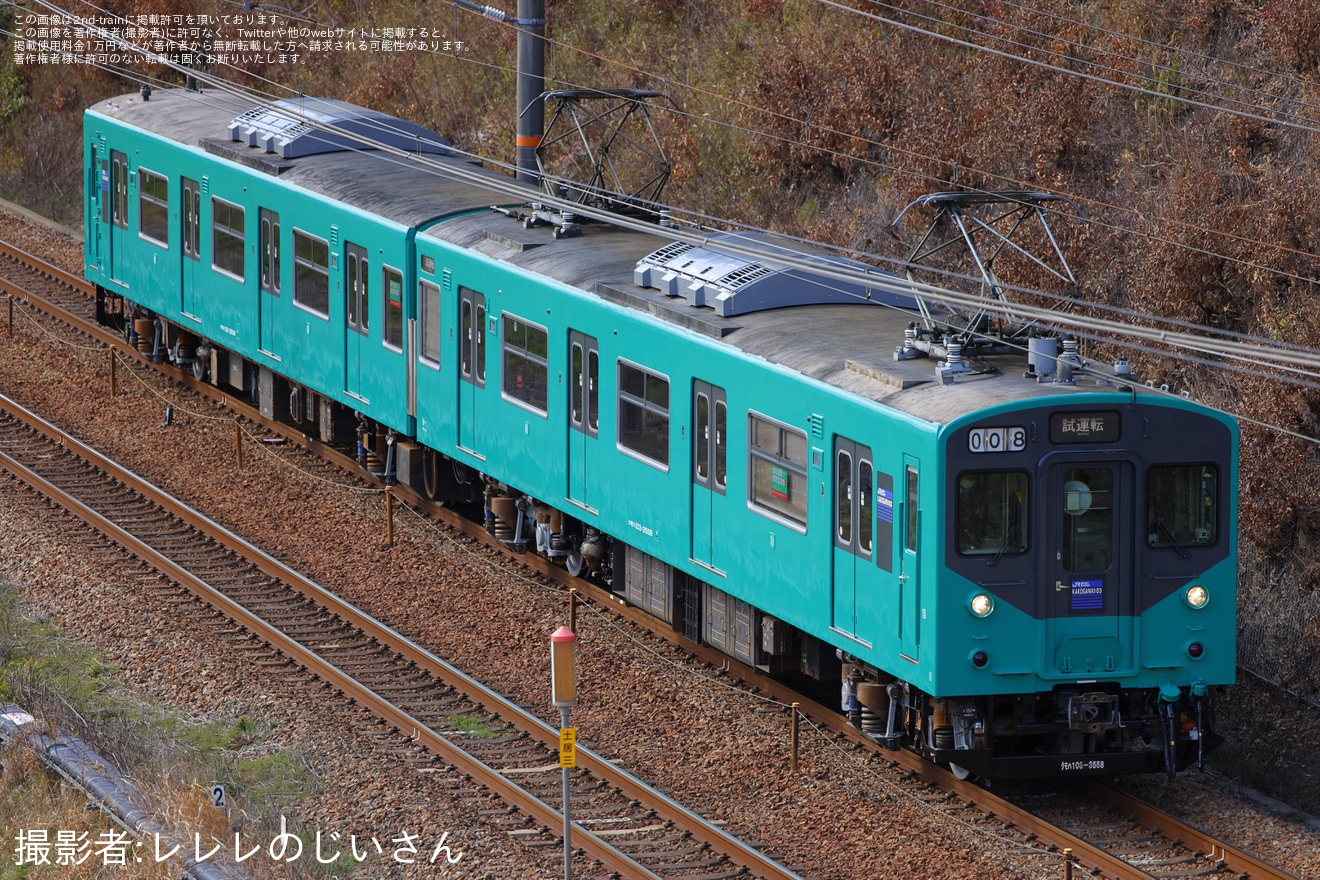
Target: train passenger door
[[710, 469], [357, 315], [1090, 590], [583, 413], [269, 256], [471, 364], [854, 535], [190, 211], [909, 581], [118, 209]]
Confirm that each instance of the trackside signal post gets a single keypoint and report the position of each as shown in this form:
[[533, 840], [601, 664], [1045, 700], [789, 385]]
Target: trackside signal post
[[563, 693]]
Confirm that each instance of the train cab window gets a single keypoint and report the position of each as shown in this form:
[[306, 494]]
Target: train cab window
[[644, 413], [153, 207], [777, 462], [428, 322], [1088, 518], [1182, 506], [525, 362], [991, 513], [311, 272], [227, 234], [393, 296]]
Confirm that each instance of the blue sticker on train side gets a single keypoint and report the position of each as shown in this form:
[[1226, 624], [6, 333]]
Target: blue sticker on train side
[[1088, 595], [884, 505]]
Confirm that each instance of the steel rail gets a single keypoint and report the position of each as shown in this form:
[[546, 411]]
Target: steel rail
[[1242, 863], [588, 760], [32, 260]]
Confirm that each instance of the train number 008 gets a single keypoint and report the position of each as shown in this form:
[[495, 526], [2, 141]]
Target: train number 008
[[1013, 439]]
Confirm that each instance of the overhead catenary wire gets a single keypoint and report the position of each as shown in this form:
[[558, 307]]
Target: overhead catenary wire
[[1178, 73], [699, 240], [1297, 358], [1308, 125], [1143, 219]]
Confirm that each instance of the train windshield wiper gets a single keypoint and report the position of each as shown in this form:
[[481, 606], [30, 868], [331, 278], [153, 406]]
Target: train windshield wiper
[[1168, 536], [1008, 539]]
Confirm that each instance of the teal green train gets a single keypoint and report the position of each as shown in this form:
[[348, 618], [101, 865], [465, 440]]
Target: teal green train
[[1020, 566]]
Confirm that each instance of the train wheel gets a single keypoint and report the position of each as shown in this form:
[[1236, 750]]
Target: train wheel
[[199, 369], [959, 772], [573, 562]]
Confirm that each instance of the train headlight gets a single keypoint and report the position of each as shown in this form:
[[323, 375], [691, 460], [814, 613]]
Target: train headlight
[[1197, 596], [982, 604]]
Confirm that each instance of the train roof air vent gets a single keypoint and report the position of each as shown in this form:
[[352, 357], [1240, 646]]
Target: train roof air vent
[[305, 126], [732, 284]]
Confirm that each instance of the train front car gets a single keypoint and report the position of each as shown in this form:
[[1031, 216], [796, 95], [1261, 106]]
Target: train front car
[[1086, 604]]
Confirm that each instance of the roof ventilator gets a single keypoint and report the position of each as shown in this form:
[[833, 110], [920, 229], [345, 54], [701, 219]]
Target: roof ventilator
[[735, 285], [295, 127]]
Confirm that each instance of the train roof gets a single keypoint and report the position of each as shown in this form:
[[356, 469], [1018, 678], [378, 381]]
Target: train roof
[[835, 337]]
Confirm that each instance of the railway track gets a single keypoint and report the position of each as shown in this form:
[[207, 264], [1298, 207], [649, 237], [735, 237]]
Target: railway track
[[1109, 834], [622, 824]]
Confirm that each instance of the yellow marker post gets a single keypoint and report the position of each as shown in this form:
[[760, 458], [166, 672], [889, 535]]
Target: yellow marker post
[[568, 747]]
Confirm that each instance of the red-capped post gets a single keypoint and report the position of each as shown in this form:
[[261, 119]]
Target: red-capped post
[[563, 688]]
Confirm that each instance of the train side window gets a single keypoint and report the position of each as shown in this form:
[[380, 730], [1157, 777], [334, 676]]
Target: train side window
[[192, 219], [153, 207], [393, 300], [472, 341], [525, 348], [428, 320], [311, 273], [991, 513], [710, 419], [701, 436], [584, 382], [644, 413], [1182, 506], [119, 189], [227, 236], [104, 183], [843, 495], [777, 462], [913, 500], [269, 222], [721, 444], [593, 388], [865, 509], [356, 293]]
